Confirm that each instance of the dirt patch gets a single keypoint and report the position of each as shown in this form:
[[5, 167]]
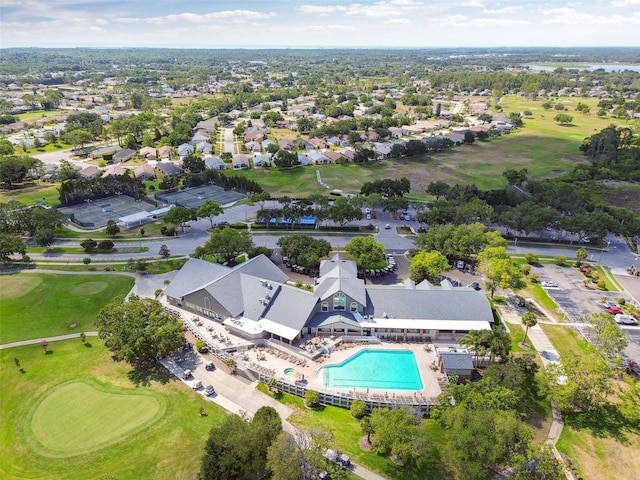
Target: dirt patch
[[14, 286], [365, 446], [625, 198]]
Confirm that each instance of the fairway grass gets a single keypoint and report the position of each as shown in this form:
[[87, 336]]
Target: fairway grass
[[75, 414], [76, 417], [36, 305]]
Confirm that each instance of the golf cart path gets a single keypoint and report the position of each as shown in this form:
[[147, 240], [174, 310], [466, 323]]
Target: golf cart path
[[46, 339]]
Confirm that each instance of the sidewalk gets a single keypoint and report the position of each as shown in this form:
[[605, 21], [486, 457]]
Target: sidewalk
[[34, 341]]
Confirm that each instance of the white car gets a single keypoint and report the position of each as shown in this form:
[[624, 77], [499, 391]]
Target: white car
[[625, 319], [548, 283]]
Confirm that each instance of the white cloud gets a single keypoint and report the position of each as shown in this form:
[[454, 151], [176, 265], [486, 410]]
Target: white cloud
[[501, 11], [569, 16], [462, 21], [398, 21], [236, 16], [625, 3], [381, 9]]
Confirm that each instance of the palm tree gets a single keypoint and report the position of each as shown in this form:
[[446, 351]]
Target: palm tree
[[367, 428], [529, 320], [477, 341], [499, 344]]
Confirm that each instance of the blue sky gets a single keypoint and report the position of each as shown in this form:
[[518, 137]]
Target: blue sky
[[318, 23]]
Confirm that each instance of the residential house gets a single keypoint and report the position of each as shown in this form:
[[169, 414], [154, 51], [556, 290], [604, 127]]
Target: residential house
[[318, 142], [200, 136], [204, 147], [303, 144], [252, 147], [254, 301], [396, 132], [114, 171], [303, 160], [124, 155], [265, 143], [334, 157], [166, 152], [382, 150], [144, 172], [349, 154], [209, 125], [169, 169], [185, 149], [148, 152], [286, 144], [318, 158], [215, 163], [240, 161], [254, 134], [260, 161], [90, 172]]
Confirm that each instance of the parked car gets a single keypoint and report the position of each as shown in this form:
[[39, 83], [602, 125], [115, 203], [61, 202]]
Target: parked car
[[196, 384], [209, 390], [585, 240], [368, 216], [625, 319], [548, 283], [520, 302], [609, 304], [460, 264], [615, 310], [187, 374], [387, 227], [475, 286], [209, 365]]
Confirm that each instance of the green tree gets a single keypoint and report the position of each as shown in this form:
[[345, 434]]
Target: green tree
[[428, 266], [312, 398], [209, 209], [89, 245], [499, 269], [10, 245], [112, 228], [260, 198], [367, 428], [609, 339], [516, 177], [581, 254], [342, 211], [164, 252], [228, 453], [6, 147], [303, 249], [563, 119], [137, 330], [398, 432], [226, 244], [529, 320], [478, 342], [285, 459], [179, 216], [44, 237], [105, 245], [367, 252], [358, 408]]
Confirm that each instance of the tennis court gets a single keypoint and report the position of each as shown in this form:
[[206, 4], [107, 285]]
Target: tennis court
[[96, 213], [196, 196]]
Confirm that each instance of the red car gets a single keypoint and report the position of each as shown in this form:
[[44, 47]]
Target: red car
[[614, 310]]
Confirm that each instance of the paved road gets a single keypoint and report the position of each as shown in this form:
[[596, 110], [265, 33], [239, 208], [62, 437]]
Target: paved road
[[230, 144]]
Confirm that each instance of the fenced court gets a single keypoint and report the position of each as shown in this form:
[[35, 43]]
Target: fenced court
[[96, 213], [196, 196]]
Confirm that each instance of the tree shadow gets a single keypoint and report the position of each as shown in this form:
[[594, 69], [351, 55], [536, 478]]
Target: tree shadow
[[49, 352], [88, 345], [607, 422], [22, 370], [143, 374]]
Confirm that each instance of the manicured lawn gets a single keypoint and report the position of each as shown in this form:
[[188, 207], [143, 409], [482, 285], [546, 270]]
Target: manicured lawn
[[347, 433], [44, 192], [43, 305], [74, 413]]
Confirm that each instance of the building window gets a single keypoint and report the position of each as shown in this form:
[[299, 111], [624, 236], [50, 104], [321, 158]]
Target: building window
[[354, 307], [325, 306], [339, 301]]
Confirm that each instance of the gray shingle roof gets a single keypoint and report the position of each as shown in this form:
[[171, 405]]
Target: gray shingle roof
[[433, 304], [291, 306], [195, 273], [457, 361]]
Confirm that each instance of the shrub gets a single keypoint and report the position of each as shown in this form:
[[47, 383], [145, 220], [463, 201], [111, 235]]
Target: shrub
[[622, 301], [602, 285], [531, 258], [358, 408], [595, 277], [157, 292], [560, 260], [86, 260], [201, 346], [312, 398], [533, 277], [142, 232], [105, 245], [169, 230], [526, 269]]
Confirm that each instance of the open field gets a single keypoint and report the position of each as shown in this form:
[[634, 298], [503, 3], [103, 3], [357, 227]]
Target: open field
[[43, 305], [602, 445], [74, 413]]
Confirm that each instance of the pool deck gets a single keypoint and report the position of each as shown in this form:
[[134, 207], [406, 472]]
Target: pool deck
[[278, 358]]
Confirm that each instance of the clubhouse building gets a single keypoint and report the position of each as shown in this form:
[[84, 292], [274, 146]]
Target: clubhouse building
[[254, 301]]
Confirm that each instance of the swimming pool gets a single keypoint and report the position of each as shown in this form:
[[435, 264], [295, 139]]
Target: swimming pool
[[375, 369]]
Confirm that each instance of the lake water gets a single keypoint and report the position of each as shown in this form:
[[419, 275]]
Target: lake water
[[607, 67]]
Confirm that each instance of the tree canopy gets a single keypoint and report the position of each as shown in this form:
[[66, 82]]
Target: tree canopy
[[137, 330], [303, 249], [367, 252], [226, 244]]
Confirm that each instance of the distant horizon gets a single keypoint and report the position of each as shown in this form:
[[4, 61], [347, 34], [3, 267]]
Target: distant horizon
[[292, 24]]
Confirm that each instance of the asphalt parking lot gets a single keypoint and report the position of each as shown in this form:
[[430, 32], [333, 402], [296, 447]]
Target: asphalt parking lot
[[576, 301]]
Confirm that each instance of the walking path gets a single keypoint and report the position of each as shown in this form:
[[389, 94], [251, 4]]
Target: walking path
[[46, 339]]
